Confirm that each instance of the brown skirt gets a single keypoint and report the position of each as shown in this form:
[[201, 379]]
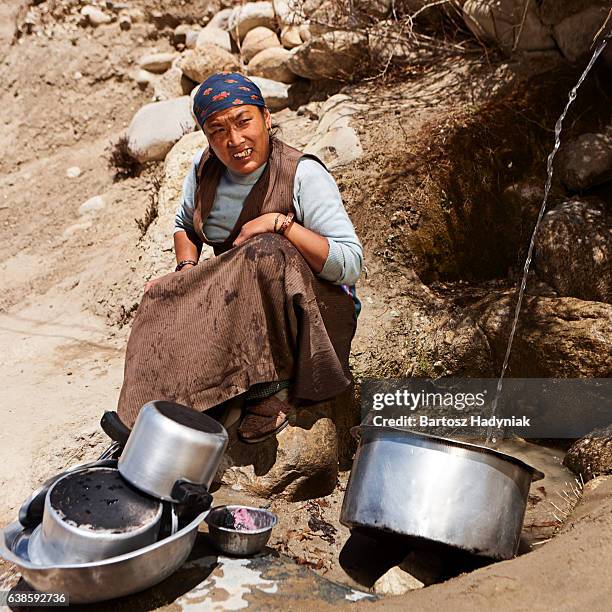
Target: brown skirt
[[254, 314]]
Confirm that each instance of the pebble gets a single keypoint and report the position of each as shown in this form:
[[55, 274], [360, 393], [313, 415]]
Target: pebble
[[73, 172], [92, 205], [95, 16]]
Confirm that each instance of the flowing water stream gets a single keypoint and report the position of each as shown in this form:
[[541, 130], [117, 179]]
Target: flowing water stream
[[494, 434]]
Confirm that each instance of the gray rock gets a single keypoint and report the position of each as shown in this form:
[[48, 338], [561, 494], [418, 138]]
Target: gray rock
[[212, 35], [290, 36], [556, 337], [301, 462], [553, 12], [172, 84], [251, 15], [586, 161], [176, 166], [73, 172], [288, 12], [257, 40], [200, 63], [157, 62], [94, 16], [221, 19], [272, 64], [591, 456], [499, 22], [335, 142], [185, 34], [574, 35], [574, 250], [275, 94], [157, 126], [335, 55], [92, 206], [396, 582]]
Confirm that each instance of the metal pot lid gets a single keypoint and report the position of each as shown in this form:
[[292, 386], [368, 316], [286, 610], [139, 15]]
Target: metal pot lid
[[408, 433]]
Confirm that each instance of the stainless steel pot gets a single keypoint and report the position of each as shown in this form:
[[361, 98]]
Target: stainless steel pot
[[91, 514], [172, 450], [463, 495]]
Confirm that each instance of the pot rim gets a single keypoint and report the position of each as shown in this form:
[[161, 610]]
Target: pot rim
[[93, 534], [535, 473]]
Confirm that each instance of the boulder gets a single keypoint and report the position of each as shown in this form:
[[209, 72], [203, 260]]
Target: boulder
[[212, 35], [586, 161], [251, 15], [94, 16], [221, 19], [301, 462], [200, 63], [157, 126], [335, 55], [272, 64], [172, 84], [591, 456], [73, 172], [275, 94], [505, 23], [553, 12], [290, 36], [574, 35], [335, 142], [288, 12], [157, 62], [574, 250], [176, 166], [257, 40], [556, 337]]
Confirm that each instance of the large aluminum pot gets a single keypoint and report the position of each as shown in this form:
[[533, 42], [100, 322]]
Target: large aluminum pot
[[463, 495], [172, 444], [91, 514]]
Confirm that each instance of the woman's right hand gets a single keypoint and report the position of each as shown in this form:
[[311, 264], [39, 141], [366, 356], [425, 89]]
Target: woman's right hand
[[155, 281]]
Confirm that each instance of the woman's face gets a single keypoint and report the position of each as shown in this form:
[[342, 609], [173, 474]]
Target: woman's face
[[239, 137]]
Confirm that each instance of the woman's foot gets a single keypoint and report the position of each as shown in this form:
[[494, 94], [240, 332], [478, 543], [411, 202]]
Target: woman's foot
[[265, 418]]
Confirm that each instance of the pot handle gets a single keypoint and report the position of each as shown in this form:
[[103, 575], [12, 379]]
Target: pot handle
[[114, 427], [193, 496]]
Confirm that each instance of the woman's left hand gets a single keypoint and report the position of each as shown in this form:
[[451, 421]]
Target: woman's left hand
[[259, 225]]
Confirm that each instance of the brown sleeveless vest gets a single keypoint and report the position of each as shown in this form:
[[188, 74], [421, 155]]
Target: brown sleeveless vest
[[273, 191]]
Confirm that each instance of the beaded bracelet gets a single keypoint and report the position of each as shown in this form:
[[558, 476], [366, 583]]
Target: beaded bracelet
[[286, 223], [276, 223], [183, 263]]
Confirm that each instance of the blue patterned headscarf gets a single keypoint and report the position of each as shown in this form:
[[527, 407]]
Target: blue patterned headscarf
[[224, 90]]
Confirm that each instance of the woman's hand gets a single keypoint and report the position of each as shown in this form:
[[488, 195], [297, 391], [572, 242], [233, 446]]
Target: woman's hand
[[259, 225]]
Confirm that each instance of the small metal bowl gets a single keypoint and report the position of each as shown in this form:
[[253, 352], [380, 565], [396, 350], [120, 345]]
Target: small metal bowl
[[238, 542]]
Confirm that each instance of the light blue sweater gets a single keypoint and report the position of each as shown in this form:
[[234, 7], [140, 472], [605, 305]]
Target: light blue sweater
[[318, 206]]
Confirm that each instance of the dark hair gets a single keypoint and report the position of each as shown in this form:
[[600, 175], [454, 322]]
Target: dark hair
[[275, 129]]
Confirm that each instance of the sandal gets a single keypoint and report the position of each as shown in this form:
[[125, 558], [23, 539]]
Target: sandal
[[264, 419]]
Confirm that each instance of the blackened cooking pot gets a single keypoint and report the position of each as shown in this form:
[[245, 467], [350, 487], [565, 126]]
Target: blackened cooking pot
[[463, 495]]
